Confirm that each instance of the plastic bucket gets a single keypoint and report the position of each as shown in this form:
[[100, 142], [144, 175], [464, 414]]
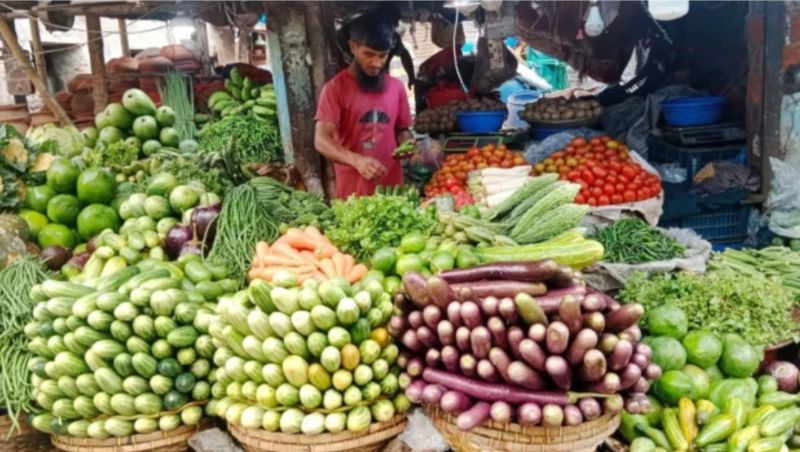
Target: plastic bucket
[[516, 103], [693, 111]]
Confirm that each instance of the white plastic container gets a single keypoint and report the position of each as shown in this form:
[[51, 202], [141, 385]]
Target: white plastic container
[[665, 10], [516, 103]]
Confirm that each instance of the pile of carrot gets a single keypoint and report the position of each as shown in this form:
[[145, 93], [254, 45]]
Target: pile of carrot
[[307, 254]]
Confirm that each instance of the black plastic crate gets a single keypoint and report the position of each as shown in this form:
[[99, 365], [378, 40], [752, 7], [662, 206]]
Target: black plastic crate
[[692, 158], [728, 224]]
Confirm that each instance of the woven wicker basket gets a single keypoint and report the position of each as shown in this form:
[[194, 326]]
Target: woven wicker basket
[[27, 439], [172, 441], [372, 440], [496, 436]]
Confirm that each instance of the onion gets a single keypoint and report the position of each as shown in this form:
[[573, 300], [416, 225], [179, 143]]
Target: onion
[[177, 236], [55, 257], [79, 260], [203, 219]]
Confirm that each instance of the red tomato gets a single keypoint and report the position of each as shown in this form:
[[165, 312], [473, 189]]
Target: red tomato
[[588, 177], [609, 189], [596, 192], [579, 199], [599, 172], [629, 196], [616, 198], [641, 194], [603, 201], [629, 172], [611, 178], [620, 187], [591, 201]]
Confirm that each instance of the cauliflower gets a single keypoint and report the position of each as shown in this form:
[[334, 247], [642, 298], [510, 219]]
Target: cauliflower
[[15, 155]]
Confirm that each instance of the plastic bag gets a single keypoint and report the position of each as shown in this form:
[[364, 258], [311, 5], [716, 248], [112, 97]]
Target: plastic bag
[[672, 173], [536, 152], [609, 276], [428, 152], [783, 202], [785, 193], [420, 434]]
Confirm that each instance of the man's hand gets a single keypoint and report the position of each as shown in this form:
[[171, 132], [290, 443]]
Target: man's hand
[[369, 168]]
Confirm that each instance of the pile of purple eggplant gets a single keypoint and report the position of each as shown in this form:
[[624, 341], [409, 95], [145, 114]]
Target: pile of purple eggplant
[[522, 342]]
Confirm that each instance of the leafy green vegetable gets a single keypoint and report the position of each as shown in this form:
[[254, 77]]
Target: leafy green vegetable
[[114, 155], [188, 169], [290, 206], [366, 224], [633, 241], [253, 141], [65, 141], [10, 189], [723, 301]]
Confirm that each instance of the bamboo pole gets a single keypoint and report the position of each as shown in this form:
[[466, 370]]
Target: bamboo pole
[[11, 42], [94, 36], [123, 37], [38, 51]]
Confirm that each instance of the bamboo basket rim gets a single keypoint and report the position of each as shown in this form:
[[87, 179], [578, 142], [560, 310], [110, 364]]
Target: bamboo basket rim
[[137, 442], [376, 433], [573, 438]]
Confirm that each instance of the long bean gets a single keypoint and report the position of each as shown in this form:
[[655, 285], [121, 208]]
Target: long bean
[[16, 281], [633, 241], [773, 261], [242, 223]]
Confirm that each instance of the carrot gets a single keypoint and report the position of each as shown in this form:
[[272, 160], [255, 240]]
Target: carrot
[[314, 232], [349, 262], [277, 260], [285, 250], [254, 273], [338, 264], [262, 248], [299, 240], [326, 251], [328, 268], [357, 273], [319, 277], [309, 257]]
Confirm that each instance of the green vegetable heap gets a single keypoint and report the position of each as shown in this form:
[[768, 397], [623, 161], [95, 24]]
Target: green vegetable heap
[[774, 261], [365, 224], [756, 308], [707, 397], [125, 350], [306, 359], [253, 141], [632, 241]]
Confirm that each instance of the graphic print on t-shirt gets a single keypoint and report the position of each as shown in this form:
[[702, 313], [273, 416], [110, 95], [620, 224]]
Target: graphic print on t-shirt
[[373, 127]]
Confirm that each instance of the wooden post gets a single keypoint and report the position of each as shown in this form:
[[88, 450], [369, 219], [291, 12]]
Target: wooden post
[[94, 36], [774, 39], [38, 52], [123, 37], [11, 42], [202, 42], [288, 50], [321, 39]]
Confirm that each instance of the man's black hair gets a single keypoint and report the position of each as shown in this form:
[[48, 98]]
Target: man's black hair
[[373, 31]]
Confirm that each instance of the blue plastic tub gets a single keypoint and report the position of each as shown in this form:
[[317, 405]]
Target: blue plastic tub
[[693, 111], [480, 121], [540, 133]]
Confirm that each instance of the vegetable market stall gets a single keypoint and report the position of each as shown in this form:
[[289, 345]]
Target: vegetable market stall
[[172, 286]]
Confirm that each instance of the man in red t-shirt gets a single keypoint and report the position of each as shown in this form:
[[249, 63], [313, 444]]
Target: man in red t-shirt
[[363, 114]]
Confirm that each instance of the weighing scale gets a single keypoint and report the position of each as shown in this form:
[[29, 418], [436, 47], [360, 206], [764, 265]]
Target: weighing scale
[[704, 135], [463, 142]]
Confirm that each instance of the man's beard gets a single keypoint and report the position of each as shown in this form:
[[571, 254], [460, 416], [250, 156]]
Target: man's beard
[[368, 83]]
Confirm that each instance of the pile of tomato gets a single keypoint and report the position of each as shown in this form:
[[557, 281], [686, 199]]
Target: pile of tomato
[[604, 169], [452, 176]]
